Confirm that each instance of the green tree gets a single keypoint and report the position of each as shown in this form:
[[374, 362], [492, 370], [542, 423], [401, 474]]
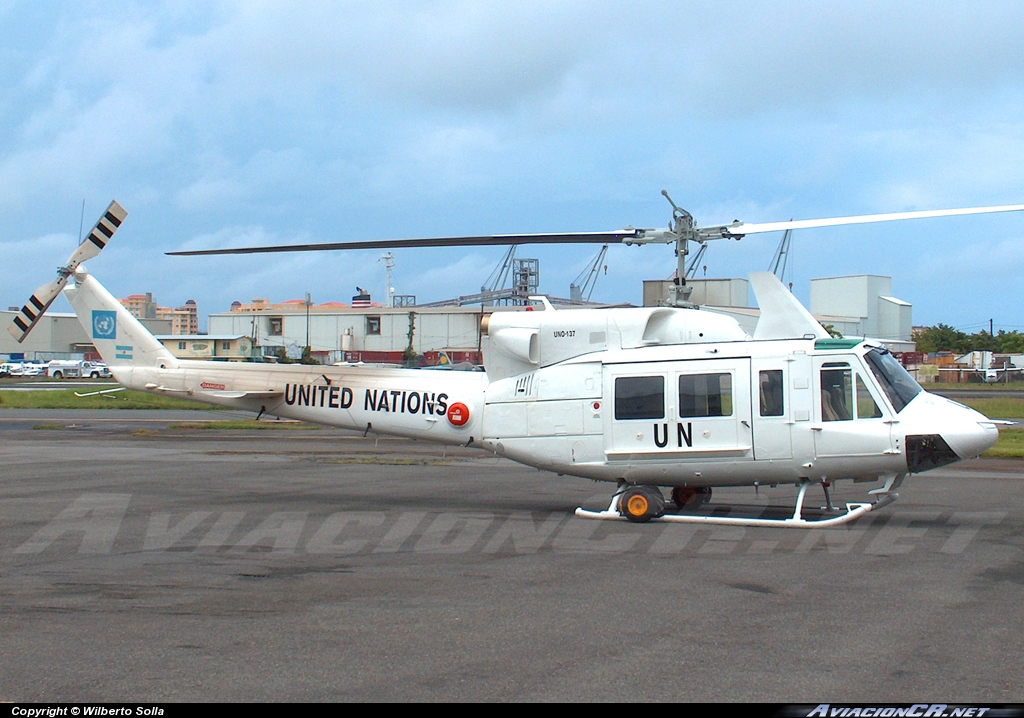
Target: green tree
[[942, 337], [409, 356], [1009, 342], [282, 356], [983, 342], [307, 357]]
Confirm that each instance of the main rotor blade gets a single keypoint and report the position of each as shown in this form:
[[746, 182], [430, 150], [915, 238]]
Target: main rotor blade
[[622, 235], [742, 228]]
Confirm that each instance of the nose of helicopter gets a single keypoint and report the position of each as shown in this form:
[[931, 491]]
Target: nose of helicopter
[[965, 432], [972, 435]]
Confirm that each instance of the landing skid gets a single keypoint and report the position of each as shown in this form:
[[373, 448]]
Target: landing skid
[[853, 512]]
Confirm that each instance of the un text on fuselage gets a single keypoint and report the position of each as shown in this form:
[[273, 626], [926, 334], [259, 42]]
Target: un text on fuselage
[[396, 401]]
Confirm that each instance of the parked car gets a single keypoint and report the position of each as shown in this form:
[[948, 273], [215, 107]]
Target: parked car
[[11, 369], [95, 370], [74, 368]]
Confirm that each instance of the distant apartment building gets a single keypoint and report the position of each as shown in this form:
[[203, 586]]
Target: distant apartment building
[[142, 306], [184, 320]]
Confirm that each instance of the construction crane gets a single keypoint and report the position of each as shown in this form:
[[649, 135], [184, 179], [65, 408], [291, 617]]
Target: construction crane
[[583, 286], [778, 265], [522, 273], [695, 262], [499, 276]]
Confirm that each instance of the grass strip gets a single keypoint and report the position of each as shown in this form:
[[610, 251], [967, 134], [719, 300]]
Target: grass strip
[[953, 388], [66, 399], [996, 407], [1010, 444]]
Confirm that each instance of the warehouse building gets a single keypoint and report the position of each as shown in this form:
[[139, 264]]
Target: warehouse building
[[856, 306], [339, 333], [58, 336], [860, 305], [208, 346]]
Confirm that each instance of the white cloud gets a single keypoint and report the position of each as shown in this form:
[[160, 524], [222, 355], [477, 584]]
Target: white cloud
[[257, 122]]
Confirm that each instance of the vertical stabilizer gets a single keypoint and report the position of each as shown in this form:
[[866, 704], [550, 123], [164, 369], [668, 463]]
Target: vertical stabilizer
[[118, 336], [782, 315]]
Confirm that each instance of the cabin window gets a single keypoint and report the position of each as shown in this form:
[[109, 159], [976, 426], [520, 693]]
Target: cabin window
[[276, 326], [705, 395], [771, 393], [836, 392], [640, 397], [373, 325]]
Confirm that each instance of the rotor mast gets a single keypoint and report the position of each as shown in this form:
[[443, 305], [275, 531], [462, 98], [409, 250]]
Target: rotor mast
[[683, 229]]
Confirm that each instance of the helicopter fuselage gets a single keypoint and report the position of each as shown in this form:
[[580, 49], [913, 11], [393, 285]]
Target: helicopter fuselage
[[648, 406], [735, 413]]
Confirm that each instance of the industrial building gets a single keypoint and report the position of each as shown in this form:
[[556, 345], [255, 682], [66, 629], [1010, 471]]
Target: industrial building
[[863, 306], [208, 346], [860, 305], [856, 306], [58, 336], [372, 334]]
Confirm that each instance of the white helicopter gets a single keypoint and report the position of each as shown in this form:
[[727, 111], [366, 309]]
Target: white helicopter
[[651, 397]]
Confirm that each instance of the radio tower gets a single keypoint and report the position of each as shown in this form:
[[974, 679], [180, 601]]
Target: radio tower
[[389, 289]]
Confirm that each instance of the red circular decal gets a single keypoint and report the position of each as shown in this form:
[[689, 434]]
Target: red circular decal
[[458, 413]]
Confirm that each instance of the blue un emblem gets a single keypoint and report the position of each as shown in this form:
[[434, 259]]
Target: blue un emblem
[[104, 324]]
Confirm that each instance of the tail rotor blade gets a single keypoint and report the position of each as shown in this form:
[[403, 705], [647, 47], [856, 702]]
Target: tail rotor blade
[[34, 308], [43, 297], [98, 236]]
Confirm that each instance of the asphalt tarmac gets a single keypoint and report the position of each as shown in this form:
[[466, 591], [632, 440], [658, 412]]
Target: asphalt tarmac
[[140, 562]]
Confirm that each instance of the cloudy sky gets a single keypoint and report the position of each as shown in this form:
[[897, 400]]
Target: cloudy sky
[[278, 122]]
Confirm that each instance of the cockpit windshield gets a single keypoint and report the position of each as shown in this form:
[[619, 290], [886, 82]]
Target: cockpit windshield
[[897, 383]]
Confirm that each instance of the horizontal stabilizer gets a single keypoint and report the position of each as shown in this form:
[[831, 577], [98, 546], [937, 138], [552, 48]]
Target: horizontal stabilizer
[[219, 394], [270, 394]]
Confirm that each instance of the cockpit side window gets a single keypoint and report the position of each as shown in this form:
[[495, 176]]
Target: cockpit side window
[[836, 392], [866, 406], [895, 381]]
